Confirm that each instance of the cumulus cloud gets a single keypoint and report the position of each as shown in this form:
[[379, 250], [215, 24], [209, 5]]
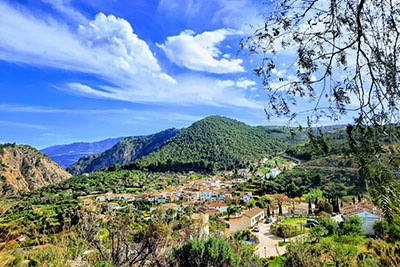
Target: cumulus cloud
[[244, 83], [200, 51], [241, 83], [105, 46], [108, 48]]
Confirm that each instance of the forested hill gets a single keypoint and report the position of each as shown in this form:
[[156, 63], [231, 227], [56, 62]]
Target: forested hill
[[124, 151], [213, 143]]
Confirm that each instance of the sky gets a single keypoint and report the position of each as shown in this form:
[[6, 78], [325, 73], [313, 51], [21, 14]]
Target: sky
[[88, 70]]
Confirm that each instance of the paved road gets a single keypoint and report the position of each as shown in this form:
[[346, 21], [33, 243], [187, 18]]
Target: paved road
[[268, 245]]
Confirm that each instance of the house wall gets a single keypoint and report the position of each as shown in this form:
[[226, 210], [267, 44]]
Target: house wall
[[257, 218], [368, 220], [240, 223]]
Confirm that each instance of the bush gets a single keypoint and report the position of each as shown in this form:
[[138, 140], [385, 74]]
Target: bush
[[324, 206], [324, 215], [391, 230], [212, 252], [330, 225], [352, 226]]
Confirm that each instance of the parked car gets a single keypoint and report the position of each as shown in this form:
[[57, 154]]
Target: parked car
[[268, 220], [309, 225], [256, 229], [313, 221]]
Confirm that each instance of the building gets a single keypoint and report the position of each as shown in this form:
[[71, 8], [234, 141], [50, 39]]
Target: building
[[172, 206], [368, 220], [245, 197], [214, 207], [221, 207], [189, 203], [367, 212], [245, 219], [204, 195]]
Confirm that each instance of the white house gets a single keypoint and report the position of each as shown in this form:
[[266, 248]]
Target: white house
[[123, 196], [246, 220], [204, 195], [101, 198], [368, 220], [221, 207], [245, 197]]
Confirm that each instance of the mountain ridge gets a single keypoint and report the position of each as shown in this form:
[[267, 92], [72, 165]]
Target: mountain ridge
[[124, 151], [67, 154]]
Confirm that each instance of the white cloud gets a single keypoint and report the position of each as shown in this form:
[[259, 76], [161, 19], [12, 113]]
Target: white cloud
[[63, 6], [108, 48], [200, 52], [225, 83], [241, 83], [279, 73], [237, 14], [105, 46], [244, 83], [190, 89], [22, 125]]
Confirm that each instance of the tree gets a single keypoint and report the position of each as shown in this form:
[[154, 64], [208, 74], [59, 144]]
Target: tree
[[317, 232], [301, 253], [330, 225], [347, 61], [352, 226], [324, 206], [341, 254], [280, 199], [114, 239], [352, 44], [212, 252]]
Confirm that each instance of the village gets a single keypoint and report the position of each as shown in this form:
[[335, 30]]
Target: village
[[216, 200]]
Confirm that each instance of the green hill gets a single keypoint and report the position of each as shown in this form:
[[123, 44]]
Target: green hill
[[123, 152], [213, 143]]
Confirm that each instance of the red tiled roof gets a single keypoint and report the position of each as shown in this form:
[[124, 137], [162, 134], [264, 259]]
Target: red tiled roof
[[214, 204]]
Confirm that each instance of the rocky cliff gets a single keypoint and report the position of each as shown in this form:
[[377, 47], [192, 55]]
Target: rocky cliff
[[23, 169]]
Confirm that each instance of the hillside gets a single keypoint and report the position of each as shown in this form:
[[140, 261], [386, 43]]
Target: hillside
[[65, 155], [335, 139], [123, 152], [23, 169], [213, 143]]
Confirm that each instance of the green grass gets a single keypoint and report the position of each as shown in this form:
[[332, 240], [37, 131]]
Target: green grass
[[282, 243], [346, 239], [294, 220], [276, 261]]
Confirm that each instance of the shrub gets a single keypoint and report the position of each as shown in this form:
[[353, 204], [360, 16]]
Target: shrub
[[324, 214], [324, 206], [330, 225], [352, 226]]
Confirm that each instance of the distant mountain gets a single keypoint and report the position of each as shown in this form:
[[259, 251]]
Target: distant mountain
[[23, 169], [123, 152], [213, 143], [65, 155]]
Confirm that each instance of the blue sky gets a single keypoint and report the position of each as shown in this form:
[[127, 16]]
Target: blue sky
[[87, 70]]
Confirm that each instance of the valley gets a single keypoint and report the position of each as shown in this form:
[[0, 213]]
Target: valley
[[241, 170]]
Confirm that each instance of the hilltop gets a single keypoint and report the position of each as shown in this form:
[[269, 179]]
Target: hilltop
[[23, 169], [213, 143], [123, 152]]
